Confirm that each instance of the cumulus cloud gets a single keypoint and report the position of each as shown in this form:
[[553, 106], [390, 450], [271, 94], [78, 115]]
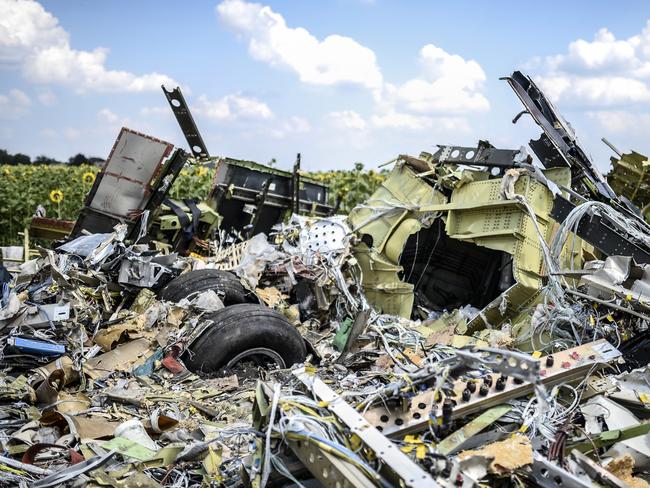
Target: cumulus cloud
[[620, 121], [449, 84], [603, 72], [107, 115], [347, 119], [47, 97], [405, 121], [396, 120], [31, 38], [289, 126], [232, 107], [335, 59], [14, 104]]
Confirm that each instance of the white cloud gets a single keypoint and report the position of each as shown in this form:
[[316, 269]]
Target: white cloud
[[292, 125], [71, 133], [106, 115], [32, 38], [14, 104], [47, 97], [405, 121], [395, 120], [622, 122], [232, 107], [603, 72], [297, 125], [449, 84], [335, 59], [347, 119]]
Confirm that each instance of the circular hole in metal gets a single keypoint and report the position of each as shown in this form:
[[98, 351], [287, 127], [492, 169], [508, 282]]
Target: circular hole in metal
[[384, 418], [399, 421], [455, 153], [469, 154], [417, 415], [422, 406], [197, 149], [176, 103]]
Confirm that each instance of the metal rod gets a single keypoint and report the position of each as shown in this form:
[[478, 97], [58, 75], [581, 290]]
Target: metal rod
[[612, 147], [24, 466]]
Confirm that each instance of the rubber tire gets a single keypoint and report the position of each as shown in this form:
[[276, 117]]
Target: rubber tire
[[226, 284], [239, 328]]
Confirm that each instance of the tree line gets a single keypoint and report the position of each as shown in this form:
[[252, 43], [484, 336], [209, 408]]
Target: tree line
[[78, 159]]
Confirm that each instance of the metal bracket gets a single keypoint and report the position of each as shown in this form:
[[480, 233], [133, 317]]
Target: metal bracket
[[484, 154], [186, 121], [508, 363], [565, 366], [398, 466], [550, 475]]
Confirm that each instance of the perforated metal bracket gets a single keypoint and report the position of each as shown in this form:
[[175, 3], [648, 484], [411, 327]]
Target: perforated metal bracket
[[509, 363], [484, 154], [329, 469], [565, 366], [398, 467], [186, 122], [550, 475]]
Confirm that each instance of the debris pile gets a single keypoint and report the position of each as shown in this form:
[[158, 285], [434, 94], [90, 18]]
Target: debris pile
[[482, 319]]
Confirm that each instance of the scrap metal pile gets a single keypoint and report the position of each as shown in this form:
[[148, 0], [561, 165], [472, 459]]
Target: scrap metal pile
[[481, 320]]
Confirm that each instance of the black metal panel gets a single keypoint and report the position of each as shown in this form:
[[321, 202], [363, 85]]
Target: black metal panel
[[186, 121], [484, 154], [603, 234], [241, 185], [94, 222], [560, 134], [547, 152]]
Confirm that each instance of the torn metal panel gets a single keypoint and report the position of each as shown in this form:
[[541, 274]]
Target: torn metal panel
[[125, 184]]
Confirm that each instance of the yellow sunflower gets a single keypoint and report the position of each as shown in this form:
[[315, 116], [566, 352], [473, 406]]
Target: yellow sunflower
[[88, 177], [56, 196]]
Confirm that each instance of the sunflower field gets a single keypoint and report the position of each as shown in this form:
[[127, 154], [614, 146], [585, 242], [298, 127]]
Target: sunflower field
[[61, 191]]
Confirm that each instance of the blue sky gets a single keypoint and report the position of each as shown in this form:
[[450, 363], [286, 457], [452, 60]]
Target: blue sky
[[340, 81]]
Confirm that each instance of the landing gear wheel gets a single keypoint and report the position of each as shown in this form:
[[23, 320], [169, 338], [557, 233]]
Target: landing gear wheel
[[190, 284], [245, 335]]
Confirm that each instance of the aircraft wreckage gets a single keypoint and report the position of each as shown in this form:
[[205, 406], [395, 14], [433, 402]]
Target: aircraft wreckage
[[481, 320]]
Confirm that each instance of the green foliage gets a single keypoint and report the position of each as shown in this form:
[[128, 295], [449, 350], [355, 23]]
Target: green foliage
[[24, 187], [353, 187], [193, 182]]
